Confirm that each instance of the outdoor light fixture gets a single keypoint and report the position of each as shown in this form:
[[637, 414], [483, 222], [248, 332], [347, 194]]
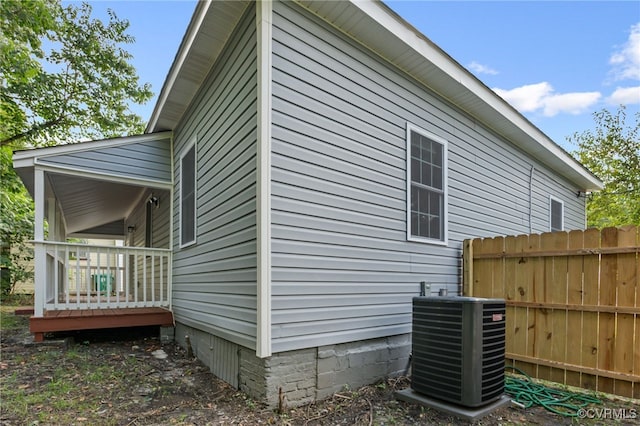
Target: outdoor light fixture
[[154, 200], [131, 229]]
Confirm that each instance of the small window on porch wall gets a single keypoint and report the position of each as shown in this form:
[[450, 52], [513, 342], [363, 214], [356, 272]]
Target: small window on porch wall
[[556, 214], [426, 187], [188, 196]]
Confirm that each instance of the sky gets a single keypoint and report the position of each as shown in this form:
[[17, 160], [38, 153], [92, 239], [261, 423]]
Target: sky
[[557, 62]]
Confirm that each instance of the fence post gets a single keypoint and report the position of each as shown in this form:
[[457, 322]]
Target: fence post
[[467, 268]]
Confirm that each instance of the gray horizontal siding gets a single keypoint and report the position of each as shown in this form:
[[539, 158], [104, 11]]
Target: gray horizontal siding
[[342, 268], [545, 185], [143, 160], [160, 217], [214, 281]]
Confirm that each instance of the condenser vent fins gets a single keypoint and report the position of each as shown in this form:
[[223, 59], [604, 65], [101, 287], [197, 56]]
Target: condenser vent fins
[[458, 349]]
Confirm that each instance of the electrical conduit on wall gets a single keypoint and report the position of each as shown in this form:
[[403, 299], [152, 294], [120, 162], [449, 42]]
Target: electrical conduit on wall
[[531, 199]]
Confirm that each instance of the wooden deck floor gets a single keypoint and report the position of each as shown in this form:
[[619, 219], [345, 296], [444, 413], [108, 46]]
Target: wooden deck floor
[[92, 319]]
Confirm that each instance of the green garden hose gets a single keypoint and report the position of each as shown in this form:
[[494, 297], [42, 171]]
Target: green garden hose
[[527, 393]]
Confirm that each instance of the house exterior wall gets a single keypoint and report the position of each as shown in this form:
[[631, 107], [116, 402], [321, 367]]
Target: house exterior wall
[[161, 221], [121, 160], [160, 238], [342, 267], [343, 273], [214, 280]]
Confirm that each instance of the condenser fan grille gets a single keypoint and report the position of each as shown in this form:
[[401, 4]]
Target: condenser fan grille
[[493, 347], [458, 349]]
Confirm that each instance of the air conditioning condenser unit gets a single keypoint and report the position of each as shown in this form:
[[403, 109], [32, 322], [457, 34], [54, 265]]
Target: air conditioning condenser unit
[[458, 347]]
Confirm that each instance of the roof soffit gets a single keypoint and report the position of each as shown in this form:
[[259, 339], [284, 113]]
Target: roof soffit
[[207, 34]]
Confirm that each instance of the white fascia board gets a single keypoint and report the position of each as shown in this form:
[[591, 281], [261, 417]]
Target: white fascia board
[[185, 47], [26, 157], [264, 13], [63, 170], [416, 41], [24, 162]]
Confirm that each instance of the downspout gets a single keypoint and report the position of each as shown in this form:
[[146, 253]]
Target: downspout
[[531, 199]]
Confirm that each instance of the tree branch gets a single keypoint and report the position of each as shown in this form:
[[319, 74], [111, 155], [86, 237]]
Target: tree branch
[[31, 131]]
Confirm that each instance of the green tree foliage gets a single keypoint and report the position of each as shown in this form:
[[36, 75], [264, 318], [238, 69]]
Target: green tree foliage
[[612, 152], [64, 77], [16, 227]]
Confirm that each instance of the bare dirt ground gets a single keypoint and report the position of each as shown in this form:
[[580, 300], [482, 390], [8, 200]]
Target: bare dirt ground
[[118, 378]]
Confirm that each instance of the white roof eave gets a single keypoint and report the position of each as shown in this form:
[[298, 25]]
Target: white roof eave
[[381, 30], [211, 25]]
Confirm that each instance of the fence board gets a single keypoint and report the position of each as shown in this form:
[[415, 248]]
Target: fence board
[[497, 270], [636, 336], [482, 270], [636, 357], [606, 320], [591, 283], [574, 297], [543, 316], [573, 303], [467, 267], [530, 283], [625, 296], [520, 314], [510, 292], [558, 294]]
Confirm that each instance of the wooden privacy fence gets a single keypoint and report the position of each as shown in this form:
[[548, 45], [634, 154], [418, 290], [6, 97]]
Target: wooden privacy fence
[[573, 303]]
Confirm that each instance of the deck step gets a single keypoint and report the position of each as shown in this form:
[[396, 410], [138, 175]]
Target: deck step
[[24, 310]]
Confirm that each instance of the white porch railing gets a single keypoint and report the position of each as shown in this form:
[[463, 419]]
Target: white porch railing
[[82, 276]]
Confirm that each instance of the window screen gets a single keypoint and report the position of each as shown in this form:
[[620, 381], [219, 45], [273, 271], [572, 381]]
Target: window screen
[[188, 197], [557, 215], [427, 187]]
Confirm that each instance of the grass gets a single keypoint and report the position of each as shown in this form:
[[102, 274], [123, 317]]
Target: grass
[[62, 389], [112, 383], [18, 299], [8, 320], [65, 394]]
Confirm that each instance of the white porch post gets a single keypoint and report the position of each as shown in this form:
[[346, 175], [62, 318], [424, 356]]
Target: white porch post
[[40, 255]]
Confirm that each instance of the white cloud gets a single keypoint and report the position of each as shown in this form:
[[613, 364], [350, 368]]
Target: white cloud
[[541, 97], [625, 96], [570, 103], [527, 98], [482, 69], [626, 60]]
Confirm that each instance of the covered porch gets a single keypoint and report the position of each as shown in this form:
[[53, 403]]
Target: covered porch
[[102, 234]]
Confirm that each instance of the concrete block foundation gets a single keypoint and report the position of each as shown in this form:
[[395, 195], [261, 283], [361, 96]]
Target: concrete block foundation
[[301, 376]]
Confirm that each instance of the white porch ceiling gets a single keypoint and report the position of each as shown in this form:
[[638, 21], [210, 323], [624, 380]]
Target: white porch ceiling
[[89, 203], [97, 184]]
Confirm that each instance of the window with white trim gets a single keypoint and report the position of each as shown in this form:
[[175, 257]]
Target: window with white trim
[[556, 214], [188, 196], [426, 186]]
